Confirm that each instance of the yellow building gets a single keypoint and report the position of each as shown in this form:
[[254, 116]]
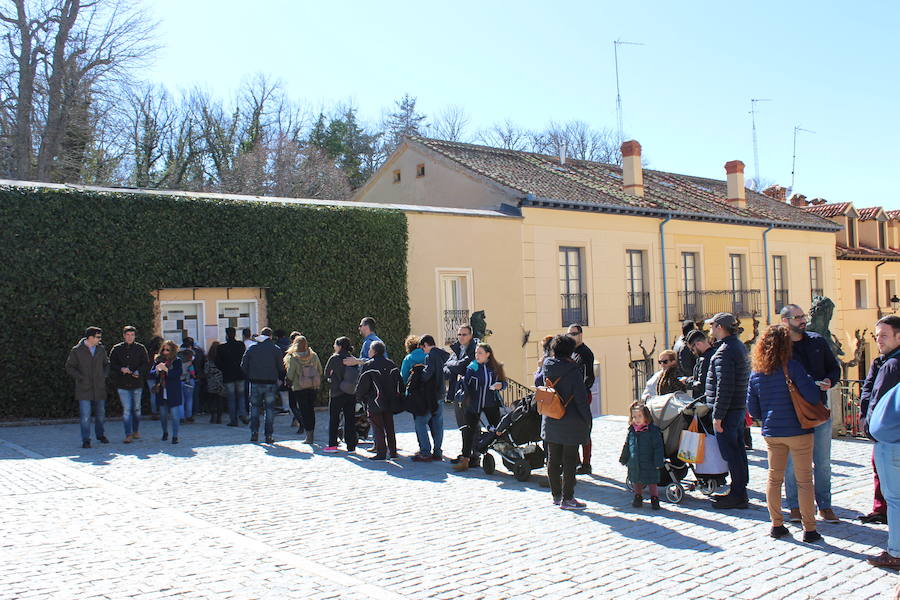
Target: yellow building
[[627, 252], [867, 253]]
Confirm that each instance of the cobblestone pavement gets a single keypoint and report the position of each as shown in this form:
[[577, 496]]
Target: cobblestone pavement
[[218, 517]]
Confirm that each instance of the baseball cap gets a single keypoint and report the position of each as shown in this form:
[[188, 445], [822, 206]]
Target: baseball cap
[[722, 318]]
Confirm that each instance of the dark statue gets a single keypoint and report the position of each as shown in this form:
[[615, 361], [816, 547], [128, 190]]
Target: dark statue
[[820, 314], [479, 325]]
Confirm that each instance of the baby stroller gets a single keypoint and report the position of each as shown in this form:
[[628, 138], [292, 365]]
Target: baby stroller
[[673, 413], [516, 439], [361, 423]]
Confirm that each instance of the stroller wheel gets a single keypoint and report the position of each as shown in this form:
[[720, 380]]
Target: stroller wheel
[[709, 487], [629, 485], [522, 470], [488, 465], [674, 493]]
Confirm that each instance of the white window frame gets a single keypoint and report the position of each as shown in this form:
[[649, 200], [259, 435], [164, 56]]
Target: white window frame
[[441, 273], [255, 311], [200, 340]]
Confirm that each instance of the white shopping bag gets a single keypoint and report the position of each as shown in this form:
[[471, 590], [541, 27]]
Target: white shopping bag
[[692, 446], [713, 463]]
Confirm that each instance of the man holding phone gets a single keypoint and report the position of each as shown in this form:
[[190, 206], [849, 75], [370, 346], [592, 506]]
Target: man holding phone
[[813, 352]]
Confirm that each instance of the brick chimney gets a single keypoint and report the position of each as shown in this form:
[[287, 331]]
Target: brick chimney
[[799, 200], [736, 192], [632, 174], [777, 192]]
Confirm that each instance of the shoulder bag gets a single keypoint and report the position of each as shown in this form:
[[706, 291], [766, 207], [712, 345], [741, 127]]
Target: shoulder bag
[[549, 403], [809, 415]]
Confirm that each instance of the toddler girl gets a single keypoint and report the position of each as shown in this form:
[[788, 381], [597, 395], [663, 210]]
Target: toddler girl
[[643, 453]]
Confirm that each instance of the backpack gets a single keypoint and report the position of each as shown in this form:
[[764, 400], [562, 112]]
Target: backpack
[[349, 380], [548, 401]]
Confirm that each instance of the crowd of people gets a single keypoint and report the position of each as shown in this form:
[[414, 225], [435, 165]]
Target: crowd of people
[[789, 364]]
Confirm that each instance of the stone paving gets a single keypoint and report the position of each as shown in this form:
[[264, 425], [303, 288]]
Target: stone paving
[[218, 517]]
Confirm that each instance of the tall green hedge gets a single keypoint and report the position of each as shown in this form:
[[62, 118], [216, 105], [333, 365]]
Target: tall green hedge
[[78, 258]]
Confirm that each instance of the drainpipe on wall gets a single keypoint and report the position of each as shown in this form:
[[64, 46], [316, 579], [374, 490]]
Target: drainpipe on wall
[[665, 302], [878, 287], [766, 266]]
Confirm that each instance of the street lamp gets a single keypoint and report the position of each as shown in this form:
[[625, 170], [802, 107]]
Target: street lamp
[[895, 303]]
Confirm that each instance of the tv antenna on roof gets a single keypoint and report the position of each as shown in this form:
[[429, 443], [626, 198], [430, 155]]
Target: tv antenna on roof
[[753, 102], [616, 45], [797, 129]]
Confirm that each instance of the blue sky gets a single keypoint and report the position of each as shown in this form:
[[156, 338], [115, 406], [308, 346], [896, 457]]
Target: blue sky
[[830, 67]]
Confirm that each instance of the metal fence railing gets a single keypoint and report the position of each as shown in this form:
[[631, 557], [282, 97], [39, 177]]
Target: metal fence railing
[[850, 414], [638, 307], [574, 309], [452, 320], [514, 392], [703, 304]]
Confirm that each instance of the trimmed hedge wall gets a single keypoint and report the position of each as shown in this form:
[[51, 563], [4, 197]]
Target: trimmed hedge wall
[[78, 258]]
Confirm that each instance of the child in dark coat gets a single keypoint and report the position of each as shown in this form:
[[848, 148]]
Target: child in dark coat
[[643, 453]]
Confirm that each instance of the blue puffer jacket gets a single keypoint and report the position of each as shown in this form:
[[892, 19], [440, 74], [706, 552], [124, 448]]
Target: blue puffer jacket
[[726, 381], [769, 400]]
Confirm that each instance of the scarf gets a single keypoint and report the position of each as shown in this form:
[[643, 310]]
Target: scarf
[[639, 428]]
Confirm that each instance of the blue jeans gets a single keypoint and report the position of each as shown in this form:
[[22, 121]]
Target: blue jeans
[[153, 400], [731, 446], [887, 461], [169, 413], [131, 409], [262, 396], [99, 408], [236, 400], [435, 423], [187, 400], [821, 470]]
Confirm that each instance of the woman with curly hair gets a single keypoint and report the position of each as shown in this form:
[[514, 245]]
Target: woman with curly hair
[[769, 400]]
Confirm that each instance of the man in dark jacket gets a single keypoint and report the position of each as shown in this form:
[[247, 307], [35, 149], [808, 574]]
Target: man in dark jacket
[[699, 344], [463, 353], [585, 358], [883, 375], [813, 352], [726, 390], [686, 358], [263, 363], [88, 365], [129, 365], [229, 362], [379, 390], [431, 379]]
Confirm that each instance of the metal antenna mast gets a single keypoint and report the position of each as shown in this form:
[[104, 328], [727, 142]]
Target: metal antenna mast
[[797, 129], [753, 102], [616, 45]]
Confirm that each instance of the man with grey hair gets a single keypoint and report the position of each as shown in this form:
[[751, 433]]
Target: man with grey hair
[[813, 352], [462, 353]]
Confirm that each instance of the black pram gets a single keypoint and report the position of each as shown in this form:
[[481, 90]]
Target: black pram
[[516, 439]]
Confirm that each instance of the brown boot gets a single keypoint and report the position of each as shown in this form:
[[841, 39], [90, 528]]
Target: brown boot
[[462, 465], [309, 437]]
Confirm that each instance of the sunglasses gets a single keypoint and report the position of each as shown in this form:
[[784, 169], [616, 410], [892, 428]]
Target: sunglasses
[[666, 361]]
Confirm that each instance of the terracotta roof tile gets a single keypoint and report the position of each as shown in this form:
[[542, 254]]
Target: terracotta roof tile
[[828, 210], [867, 214], [590, 182], [865, 253], [893, 215]]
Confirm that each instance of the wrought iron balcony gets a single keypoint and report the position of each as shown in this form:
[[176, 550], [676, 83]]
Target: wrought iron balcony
[[638, 307], [574, 309], [452, 320], [703, 304]]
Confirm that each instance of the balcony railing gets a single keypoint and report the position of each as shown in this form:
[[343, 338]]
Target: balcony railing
[[703, 304], [781, 298], [850, 414], [815, 292], [452, 320], [574, 309], [514, 392], [638, 307]]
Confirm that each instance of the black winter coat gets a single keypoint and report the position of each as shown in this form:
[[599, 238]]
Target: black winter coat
[[575, 426], [729, 374], [455, 367], [379, 385], [701, 370], [229, 361], [134, 356]]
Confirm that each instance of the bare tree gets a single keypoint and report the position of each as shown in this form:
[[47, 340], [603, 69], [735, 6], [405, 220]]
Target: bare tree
[[505, 135], [451, 124], [66, 56]]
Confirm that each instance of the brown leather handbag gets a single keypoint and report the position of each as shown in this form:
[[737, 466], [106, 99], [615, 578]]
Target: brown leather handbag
[[548, 400], [809, 415]]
